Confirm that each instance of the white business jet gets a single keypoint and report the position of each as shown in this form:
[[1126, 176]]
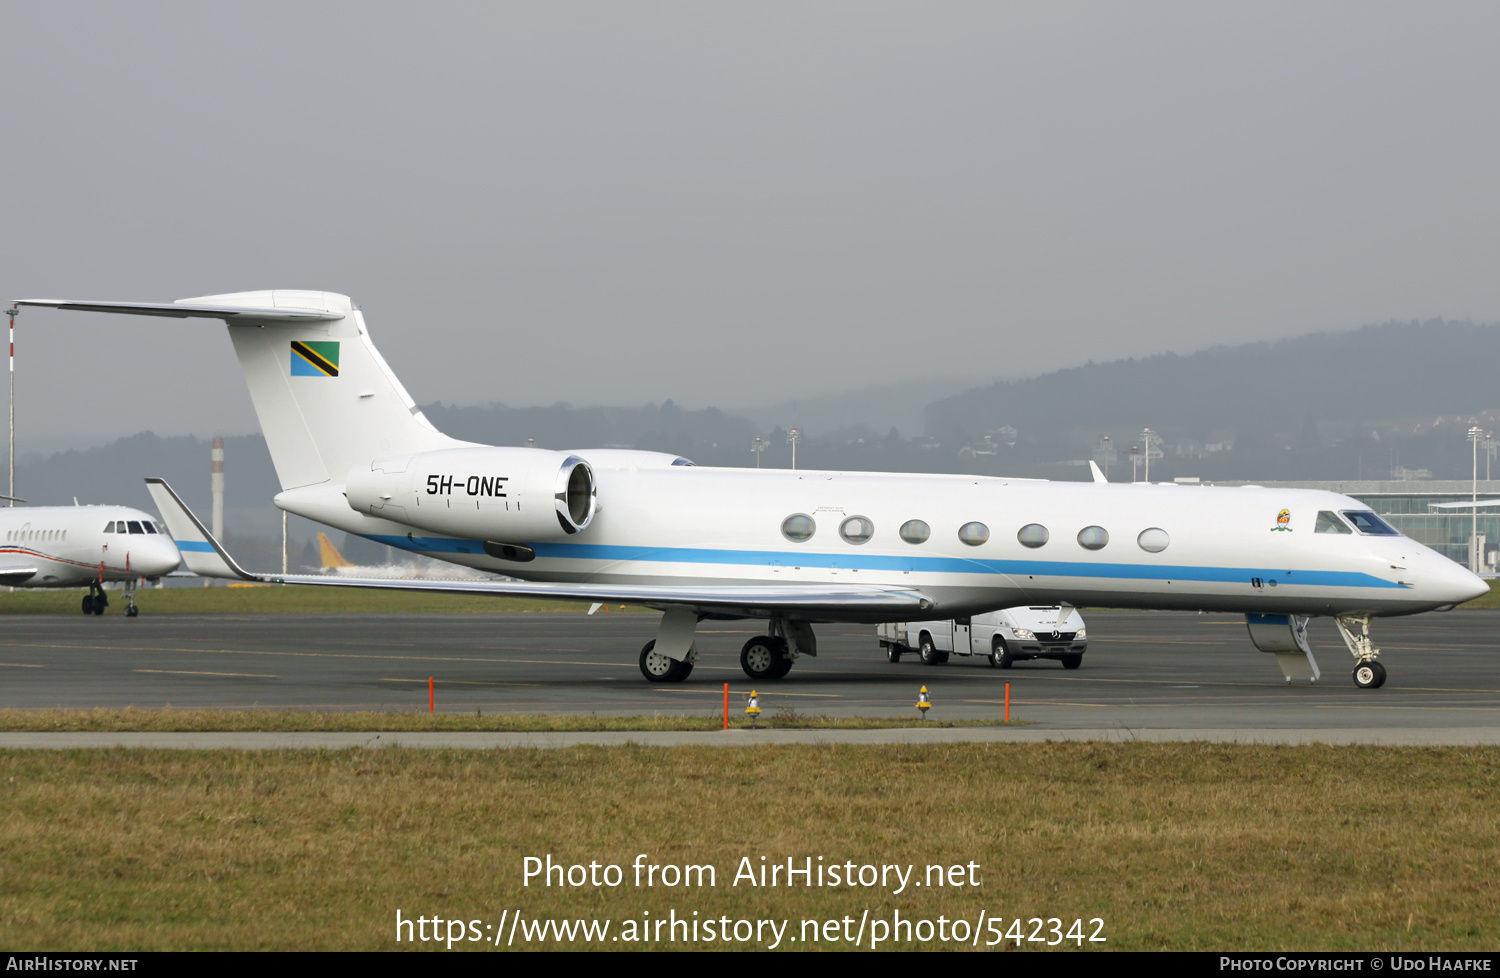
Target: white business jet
[[792, 547], [84, 546]]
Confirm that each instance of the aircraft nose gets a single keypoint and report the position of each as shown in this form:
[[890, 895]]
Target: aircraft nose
[[1458, 584]]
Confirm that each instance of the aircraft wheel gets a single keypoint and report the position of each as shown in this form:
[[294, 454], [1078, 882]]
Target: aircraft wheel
[[1072, 660], [1000, 655], [1369, 674], [893, 653], [762, 658], [88, 604], [100, 603], [660, 668], [783, 666], [132, 611]]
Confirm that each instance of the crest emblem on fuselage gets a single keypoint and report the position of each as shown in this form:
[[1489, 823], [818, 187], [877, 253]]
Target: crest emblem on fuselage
[[1283, 521]]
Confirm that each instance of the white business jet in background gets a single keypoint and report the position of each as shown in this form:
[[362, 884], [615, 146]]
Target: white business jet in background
[[794, 548], [84, 546]]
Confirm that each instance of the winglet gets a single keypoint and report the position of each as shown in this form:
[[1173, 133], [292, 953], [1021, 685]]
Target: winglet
[[1094, 468], [200, 551]]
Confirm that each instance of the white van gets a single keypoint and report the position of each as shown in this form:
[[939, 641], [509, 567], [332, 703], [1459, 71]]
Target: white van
[[1004, 636]]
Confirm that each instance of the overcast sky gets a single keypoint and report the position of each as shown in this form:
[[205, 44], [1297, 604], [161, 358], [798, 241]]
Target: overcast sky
[[730, 204]]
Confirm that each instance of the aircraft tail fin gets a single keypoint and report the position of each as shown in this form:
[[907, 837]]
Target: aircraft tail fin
[[201, 553], [329, 554], [326, 399]]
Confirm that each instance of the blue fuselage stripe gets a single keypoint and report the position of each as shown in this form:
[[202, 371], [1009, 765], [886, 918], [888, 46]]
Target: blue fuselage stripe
[[915, 564], [194, 546]]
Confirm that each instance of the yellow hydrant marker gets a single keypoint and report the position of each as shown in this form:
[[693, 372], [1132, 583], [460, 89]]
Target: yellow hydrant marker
[[752, 708], [923, 703]]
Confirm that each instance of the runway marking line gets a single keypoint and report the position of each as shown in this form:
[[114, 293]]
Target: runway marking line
[[720, 692], [184, 672], [305, 655], [1043, 703], [460, 682], [21, 665], [1349, 706]]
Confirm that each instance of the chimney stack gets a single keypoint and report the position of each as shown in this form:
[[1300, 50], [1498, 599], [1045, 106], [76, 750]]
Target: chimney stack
[[217, 485]]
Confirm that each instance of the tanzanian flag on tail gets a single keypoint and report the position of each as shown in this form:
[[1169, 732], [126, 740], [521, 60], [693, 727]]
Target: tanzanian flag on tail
[[315, 358]]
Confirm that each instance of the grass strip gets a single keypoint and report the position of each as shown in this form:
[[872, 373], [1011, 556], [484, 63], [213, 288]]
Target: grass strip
[[1174, 846], [240, 721], [1489, 601]]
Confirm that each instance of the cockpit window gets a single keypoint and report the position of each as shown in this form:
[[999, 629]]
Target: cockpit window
[[1329, 523], [109, 527], [148, 526], [1367, 522], [135, 526]]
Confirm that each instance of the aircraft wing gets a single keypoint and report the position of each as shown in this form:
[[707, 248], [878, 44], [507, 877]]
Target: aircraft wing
[[206, 556], [178, 310]]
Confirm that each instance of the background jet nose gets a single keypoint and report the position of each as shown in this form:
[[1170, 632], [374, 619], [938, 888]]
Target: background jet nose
[[160, 558]]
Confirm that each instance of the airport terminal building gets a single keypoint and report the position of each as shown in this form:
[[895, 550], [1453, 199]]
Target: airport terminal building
[[1406, 506]]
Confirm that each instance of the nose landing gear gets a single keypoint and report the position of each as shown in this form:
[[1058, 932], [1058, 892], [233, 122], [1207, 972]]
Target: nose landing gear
[[1368, 672], [1369, 675]]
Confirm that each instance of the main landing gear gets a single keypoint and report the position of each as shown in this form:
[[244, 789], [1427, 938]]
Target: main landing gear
[[96, 600], [669, 657], [771, 656], [659, 668], [765, 657], [1368, 672]]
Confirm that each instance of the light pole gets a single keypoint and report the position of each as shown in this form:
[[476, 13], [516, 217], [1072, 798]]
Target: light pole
[[757, 446], [11, 312], [1475, 437], [1150, 442], [793, 437]]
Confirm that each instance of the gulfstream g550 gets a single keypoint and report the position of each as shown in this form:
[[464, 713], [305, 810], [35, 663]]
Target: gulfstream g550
[[792, 547]]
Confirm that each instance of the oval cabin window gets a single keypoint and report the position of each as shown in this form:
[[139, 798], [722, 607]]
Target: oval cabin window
[[857, 530], [1033, 535], [1093, 537], [798, 527], [973, 534], [1154, 540]]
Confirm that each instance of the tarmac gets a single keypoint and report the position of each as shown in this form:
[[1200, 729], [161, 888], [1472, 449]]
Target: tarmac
[[1147, 676]]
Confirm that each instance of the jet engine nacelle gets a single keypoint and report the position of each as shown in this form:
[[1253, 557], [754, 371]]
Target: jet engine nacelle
[[505, 495]]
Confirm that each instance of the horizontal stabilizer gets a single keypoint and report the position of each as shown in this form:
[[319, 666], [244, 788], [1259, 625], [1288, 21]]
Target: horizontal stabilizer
[[180, 310]]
